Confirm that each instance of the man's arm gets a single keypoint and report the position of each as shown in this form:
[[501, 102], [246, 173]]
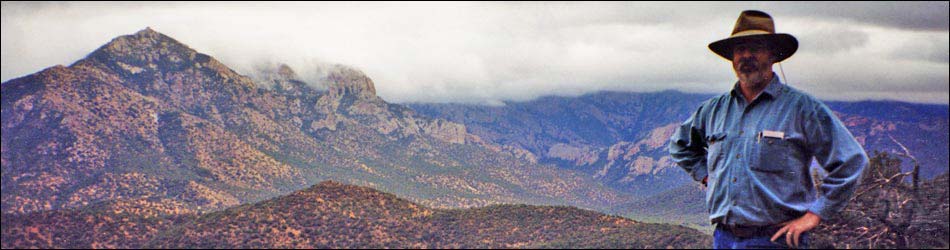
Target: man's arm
[[688, 147], [838, 153]]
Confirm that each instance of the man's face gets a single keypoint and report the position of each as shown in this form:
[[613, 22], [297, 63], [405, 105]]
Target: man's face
[[752, 62]]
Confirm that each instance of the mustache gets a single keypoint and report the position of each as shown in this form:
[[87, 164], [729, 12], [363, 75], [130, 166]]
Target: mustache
[[747, 65]]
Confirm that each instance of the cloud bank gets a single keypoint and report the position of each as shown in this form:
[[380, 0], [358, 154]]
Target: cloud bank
[[493, 52]]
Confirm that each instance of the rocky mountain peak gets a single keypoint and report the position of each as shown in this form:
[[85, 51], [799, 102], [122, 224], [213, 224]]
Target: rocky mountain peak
[[149, 32], [281, 78], [338, 80], [150, 53], [284, 71], [347, 81], [141, 43]]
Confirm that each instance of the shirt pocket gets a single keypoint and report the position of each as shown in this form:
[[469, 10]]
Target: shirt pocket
[[777, 175], [714, 152], [772, 156]]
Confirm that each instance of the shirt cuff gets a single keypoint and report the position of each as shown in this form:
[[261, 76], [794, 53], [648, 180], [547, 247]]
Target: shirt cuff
[[699, 172], [822, 208]]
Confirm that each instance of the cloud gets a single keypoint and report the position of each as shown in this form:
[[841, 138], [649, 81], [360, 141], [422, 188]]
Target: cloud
[[915, 16], [929, 47], [494, 52], [832, 39]]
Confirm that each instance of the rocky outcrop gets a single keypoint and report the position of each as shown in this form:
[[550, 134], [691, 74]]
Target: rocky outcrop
[[577, 155], [282, 79], [445, 130], [346, 95], [346, 81], [656, 139], [645, 157]]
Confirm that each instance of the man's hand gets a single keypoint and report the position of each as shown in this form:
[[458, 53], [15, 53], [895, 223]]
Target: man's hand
[[794, 228]]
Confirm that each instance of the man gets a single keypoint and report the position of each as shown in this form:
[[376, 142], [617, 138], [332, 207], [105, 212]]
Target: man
[[752, 147]]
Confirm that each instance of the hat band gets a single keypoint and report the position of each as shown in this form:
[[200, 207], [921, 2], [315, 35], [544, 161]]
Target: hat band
[[750, 33]]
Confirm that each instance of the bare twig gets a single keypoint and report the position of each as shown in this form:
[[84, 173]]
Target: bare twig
[[879, 183], [916, 171]]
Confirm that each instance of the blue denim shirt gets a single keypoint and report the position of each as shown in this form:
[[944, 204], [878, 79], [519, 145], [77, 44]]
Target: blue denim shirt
[[757, 156]]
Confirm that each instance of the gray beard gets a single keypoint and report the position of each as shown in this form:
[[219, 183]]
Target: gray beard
[[754, 80]]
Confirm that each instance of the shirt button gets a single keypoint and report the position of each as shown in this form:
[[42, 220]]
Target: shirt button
[[733, 179], [737, 156], [740, 132]]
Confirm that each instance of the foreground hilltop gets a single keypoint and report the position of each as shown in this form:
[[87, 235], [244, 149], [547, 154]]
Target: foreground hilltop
[[335, 215]]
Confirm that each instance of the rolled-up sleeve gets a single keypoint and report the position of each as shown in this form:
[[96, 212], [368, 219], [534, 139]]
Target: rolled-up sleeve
[[688, 146], [840, 154]]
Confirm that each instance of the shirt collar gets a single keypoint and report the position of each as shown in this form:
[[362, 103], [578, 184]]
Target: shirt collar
[[774, 89]]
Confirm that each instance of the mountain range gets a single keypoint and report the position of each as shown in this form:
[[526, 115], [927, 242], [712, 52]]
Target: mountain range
[[145, 116]]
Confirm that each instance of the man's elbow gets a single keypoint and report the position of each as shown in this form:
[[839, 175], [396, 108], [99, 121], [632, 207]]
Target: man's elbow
[[863, 161]]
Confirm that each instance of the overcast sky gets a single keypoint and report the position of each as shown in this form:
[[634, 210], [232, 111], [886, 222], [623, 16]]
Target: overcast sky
[[491, 52]]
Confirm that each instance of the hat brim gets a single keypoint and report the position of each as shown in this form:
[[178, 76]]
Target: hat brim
[[784, 45]]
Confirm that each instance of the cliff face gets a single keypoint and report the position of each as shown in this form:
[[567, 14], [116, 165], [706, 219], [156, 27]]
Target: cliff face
[[343, 81], [147, 117]]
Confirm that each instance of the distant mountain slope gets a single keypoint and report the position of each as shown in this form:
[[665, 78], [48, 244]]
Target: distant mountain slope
[[922, 128], [333, 215], [891, 110], [594, 120], [684, 204], [618, 138], [145, 116]]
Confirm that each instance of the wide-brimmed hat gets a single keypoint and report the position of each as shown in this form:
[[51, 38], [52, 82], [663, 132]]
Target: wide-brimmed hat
[[754, 24]]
